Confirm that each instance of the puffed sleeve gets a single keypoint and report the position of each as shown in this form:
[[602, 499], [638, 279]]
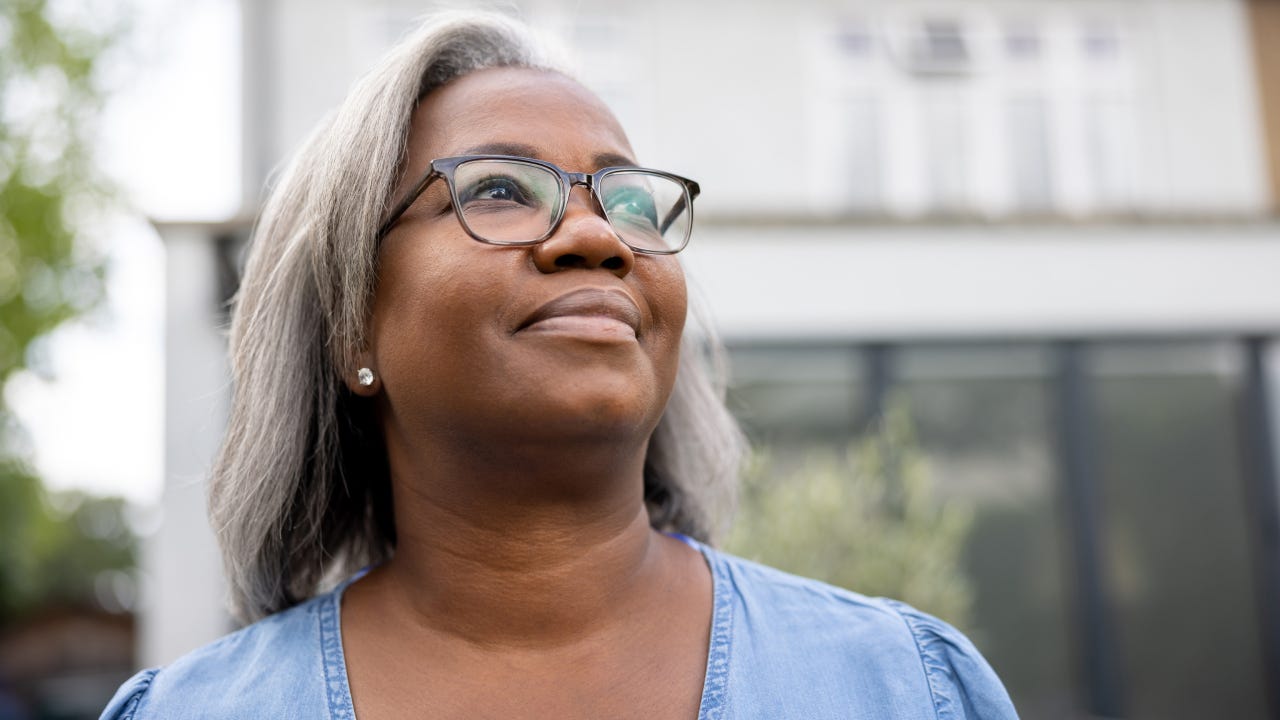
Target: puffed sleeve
[[124, 706], [963, 685]]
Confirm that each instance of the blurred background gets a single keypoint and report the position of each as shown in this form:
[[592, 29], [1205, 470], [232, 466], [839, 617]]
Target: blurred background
[[1000, 281]]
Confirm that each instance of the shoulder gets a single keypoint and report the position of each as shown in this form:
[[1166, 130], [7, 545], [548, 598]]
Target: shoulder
[[278, 661], [960, 680], [805, 631], [776, 602]]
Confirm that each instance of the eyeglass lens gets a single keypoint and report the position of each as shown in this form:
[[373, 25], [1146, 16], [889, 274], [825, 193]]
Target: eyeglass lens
[[506, 201]]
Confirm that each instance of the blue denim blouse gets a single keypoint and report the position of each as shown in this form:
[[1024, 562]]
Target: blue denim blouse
[[781, 647]]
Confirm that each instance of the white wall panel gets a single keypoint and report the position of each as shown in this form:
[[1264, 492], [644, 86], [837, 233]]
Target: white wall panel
[[927, 281]]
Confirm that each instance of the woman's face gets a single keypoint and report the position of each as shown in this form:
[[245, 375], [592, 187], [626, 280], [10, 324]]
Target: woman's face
[[576, 338]]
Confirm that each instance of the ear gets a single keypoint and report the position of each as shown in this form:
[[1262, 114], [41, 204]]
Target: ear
[[363, 380]]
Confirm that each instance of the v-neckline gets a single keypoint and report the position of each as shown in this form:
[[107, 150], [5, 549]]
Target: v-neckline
[[714, 703]]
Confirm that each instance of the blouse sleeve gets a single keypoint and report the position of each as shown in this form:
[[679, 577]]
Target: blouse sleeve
[[124, 706], [963, 685]]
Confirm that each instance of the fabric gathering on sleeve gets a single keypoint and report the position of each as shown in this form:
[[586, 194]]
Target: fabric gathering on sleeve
[[962, 683], [124, 705], [273, 668]]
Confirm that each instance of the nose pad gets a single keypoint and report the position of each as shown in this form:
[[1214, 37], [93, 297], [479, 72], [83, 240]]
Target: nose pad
[[584, 239], [582, 195]]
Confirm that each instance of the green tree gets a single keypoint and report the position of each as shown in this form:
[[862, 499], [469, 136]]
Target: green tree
[[869, 520], [67, 549], [49, 183], [50, 192]]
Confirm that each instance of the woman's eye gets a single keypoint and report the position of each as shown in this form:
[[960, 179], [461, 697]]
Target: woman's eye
[[497, 191]]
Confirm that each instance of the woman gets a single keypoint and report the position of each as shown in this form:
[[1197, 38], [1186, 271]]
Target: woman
[[457, 357]]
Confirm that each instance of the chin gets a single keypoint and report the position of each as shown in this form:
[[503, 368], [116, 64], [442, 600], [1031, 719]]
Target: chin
[[606, 416]]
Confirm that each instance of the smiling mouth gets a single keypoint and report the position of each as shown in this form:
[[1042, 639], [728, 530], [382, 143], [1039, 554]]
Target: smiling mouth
[[592, 313]]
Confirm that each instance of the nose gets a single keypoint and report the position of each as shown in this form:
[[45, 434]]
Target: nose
[[584, 239]]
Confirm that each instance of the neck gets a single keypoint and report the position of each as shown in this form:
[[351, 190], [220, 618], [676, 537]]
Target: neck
[[524, 549]]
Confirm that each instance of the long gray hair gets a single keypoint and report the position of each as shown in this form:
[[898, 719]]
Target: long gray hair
[[300, 491]]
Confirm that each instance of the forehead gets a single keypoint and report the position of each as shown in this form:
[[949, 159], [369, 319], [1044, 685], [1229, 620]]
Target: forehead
[[553, 114]]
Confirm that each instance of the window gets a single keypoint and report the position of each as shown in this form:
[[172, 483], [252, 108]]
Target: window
[[1171, 520], [944, 115], [1100, 43], [976, 114], [939, 46], [1022, 43], [1109, 151], [1029, 160], [1174, 534], [855, 42], [862, 132]]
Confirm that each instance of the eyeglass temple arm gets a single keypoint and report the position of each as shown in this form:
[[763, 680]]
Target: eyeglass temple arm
[[673, 214], [409, 199]]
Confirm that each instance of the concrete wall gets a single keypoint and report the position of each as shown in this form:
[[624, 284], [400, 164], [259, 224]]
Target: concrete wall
[[183, 594], [910, 282]]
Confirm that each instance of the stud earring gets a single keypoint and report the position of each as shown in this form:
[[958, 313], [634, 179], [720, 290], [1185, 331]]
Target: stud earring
[[365, 376]]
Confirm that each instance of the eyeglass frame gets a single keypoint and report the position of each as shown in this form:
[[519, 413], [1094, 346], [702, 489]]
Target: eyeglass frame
[[445, 167]]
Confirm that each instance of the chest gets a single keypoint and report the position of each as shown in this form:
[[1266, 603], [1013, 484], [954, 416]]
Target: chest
[[567, 683]]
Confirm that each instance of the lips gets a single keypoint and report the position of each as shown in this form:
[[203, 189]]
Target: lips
[[588, 310]]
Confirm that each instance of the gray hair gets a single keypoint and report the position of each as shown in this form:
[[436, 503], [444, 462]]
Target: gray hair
[[300, 492]]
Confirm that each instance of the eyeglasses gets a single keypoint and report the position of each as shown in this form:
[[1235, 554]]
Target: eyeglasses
[[506, 200]]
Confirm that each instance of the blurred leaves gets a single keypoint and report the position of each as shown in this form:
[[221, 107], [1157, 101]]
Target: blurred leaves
[[869, 520], [49, 184], [54, 548], [64, 549]]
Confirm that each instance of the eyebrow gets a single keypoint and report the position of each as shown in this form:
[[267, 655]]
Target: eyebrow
[[501, 148], [601, 160], [613, 160]]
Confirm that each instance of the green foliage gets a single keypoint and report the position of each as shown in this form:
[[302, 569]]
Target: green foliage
[[868, 520], [61, 549], [49, 185], [53, 548]]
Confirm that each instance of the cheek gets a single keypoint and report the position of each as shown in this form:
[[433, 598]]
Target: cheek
[[669, 302], [670, 296], [425, 310], [434, 336], [680, 299]]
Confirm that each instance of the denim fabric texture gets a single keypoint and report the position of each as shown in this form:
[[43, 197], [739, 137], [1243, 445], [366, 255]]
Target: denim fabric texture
[[781, 647]]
